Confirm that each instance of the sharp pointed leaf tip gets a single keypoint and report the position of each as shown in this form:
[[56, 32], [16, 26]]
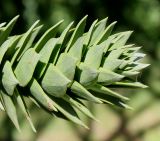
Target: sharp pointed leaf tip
[[16, 17], [145, 86], [85, 16], [104, 20], [126, 106]]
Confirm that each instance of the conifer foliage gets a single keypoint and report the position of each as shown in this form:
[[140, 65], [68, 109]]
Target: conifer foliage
[[59, 73]]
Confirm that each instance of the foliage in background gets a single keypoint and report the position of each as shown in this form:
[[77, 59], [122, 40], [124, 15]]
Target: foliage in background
[[142, 16]]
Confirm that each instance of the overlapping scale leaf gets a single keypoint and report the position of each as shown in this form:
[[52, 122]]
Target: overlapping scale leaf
[[9, 107], [9, 80], [5, 31], [59, 71]]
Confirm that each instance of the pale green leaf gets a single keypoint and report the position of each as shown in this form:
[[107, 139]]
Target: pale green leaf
[[45, 55], [87, 75], [1, 106], [7, 29], [54, 82], [106, 33], [2, 24], [79, 106], [87, 37], [99, 29], [9, 80], [78, 32], [94, 56], [61, 44], [140, 66], [115, 54], [66, 109], [50, 33], [22, 43], [112, 64], [137, 56], [10, 108], [24, 108], [40, 96], [104, 90], [108, 99], [31, 39], [121, 41], [81, 91], [8, 44], [26, 66], [67, 65], [130, 84], [107, 77], [77, 48], [129, 73]]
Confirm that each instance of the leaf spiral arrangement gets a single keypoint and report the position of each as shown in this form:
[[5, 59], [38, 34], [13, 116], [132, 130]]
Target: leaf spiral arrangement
[[59, 72]]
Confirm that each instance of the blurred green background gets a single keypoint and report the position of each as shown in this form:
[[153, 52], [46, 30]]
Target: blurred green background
[[140, 124]]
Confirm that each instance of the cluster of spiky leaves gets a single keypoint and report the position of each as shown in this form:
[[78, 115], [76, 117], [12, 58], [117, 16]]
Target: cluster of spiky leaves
[[59, 73]]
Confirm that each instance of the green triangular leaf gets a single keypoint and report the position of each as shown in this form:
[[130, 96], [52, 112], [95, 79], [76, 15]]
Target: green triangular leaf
[[40, 96], [24, 108], [10, 109], [50, 33], [79, 106], [54, 82], [22, 43], [78, 32], [104, 90], [67, 65], [99, 29], [26, 66], [6, 30], [107, 77], [66, 109], [9, 80], [81, 91]]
